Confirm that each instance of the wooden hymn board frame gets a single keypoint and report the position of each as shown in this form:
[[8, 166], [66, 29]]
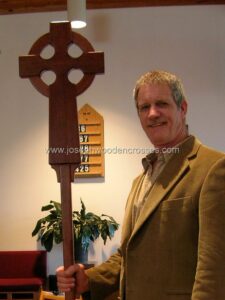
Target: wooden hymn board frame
[[91, 132]]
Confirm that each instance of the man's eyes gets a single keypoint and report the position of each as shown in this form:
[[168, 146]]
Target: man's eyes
[[161, 103], [146, 107]]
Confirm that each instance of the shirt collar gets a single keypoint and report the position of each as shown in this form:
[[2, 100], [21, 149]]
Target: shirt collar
[[149, 160], [164, 155]]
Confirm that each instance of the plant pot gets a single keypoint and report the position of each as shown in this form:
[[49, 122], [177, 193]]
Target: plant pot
[[81, 254]]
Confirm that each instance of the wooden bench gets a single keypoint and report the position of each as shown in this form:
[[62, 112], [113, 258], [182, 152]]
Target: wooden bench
[[22, 274]]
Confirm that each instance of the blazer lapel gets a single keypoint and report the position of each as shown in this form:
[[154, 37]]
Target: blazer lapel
[[127, 220], [175, 169]]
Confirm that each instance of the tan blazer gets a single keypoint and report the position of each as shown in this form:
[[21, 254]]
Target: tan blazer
[[176, 251]]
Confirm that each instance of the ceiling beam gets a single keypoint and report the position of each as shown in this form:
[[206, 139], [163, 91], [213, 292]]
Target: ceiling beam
[[30, 6]]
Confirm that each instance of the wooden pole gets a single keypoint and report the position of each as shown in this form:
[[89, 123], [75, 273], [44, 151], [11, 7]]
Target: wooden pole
[[67, 221]]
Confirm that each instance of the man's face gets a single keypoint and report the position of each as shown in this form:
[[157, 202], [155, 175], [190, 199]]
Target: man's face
[[161, 119]]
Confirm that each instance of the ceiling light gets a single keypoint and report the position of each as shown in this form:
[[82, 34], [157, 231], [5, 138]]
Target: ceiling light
[[76, 10]]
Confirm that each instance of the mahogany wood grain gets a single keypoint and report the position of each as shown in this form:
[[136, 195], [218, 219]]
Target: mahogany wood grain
[[24, 6]]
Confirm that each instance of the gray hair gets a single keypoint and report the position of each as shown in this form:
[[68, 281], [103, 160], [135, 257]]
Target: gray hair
[[162, 77]]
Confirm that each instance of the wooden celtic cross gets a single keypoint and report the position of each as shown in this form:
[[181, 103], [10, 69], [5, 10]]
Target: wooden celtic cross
[[64, 144]]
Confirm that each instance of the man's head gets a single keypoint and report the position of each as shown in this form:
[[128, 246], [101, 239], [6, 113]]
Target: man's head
[[162, 77], [161, 108]]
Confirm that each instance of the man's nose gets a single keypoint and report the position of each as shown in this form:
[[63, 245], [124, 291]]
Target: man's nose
[[153, 112]]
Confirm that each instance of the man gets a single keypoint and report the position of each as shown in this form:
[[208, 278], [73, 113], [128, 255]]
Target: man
[[173, 237]]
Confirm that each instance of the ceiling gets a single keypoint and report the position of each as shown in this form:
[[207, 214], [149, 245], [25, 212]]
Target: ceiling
[[30, 6]]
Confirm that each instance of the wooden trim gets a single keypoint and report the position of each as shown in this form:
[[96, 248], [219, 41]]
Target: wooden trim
[[30, 6], [142, 3]]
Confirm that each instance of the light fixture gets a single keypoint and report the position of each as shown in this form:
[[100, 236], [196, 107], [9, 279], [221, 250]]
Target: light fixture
[[76, 10]]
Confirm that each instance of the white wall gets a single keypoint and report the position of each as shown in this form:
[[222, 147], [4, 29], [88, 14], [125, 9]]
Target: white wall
[[189, 41]]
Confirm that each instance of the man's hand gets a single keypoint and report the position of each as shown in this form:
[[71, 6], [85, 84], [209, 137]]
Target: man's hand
[[72, 277]]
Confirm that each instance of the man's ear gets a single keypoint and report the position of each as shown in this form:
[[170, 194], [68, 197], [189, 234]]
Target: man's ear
[[184, 107]]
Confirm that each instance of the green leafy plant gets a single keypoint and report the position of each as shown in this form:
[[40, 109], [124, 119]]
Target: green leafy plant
[[87, 226]]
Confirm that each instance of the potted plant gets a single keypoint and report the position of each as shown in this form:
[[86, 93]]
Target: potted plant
[[87, 228]]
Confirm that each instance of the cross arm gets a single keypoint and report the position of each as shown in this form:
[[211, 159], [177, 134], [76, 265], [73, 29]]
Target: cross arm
[[91, 62], [31, 65]]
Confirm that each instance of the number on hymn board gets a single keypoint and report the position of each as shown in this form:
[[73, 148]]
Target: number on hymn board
[[82, 128], [84, 138], [84, 148], [84, 158], [82, 169]]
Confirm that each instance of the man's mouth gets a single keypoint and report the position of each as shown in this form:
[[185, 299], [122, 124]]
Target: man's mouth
[[156, 124]]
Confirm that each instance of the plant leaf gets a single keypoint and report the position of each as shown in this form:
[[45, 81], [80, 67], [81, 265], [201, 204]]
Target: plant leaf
[[83, 209], [47, 239], [57, 206], [47, 207], [38, 226]]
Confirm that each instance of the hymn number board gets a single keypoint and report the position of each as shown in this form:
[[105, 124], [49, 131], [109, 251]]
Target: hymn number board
[[91, 132]]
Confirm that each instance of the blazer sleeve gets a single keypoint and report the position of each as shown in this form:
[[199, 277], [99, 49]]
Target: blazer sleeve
[[104, 279], [210, 273]]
